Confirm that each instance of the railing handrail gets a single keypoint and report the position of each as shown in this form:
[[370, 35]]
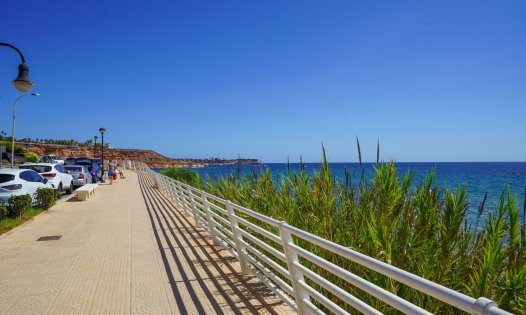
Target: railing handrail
[[250, 257]]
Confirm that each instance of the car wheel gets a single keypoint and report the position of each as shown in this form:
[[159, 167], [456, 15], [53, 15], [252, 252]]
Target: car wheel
[[70, 189], [59, 187]]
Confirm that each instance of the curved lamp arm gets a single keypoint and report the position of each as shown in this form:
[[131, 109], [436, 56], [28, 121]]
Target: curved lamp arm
[[17, 50]]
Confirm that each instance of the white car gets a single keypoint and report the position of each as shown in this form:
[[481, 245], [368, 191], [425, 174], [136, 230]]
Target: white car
[[14, 182], [55, 173], [52, 159]]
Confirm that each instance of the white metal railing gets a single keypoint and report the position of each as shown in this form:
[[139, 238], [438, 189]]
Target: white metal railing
[[267, 250]]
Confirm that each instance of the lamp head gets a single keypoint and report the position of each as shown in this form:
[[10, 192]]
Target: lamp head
[[22, 82], [102, 130]]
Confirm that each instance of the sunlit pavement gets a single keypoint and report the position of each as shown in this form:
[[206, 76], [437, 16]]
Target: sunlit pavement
[[127, 249]]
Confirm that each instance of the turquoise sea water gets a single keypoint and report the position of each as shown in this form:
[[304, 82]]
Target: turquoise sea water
[[480, 178]]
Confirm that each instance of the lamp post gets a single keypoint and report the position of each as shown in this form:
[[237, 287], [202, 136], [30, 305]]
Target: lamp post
[[13, 130], [95, 146], [102, 131], [22, 82]]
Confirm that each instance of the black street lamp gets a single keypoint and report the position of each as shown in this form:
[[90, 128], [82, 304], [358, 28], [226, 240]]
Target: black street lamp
[[102, 131], [22, 82], [95, 146]]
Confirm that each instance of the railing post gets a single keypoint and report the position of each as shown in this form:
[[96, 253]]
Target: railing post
[[238, 238], [182, 197], [300, 293], [209, 219], [159, 182], [178, 195], [194, 208], [163, 181], [172, 189]]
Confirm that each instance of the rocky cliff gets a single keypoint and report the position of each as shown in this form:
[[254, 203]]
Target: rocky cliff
[[152, 158]]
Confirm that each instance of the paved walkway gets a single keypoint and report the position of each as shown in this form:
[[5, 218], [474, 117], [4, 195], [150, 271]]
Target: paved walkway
[[127, 249]]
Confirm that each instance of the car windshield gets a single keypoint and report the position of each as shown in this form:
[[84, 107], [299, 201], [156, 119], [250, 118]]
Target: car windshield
[[73, 168], [37, 168], [4, 178]]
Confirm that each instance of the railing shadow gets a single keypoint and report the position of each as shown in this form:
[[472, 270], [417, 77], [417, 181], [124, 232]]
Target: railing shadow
[[177, 232]]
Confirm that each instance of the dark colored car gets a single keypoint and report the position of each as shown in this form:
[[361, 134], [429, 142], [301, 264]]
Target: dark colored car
[[84, 161], [19, 157], [70, 160]]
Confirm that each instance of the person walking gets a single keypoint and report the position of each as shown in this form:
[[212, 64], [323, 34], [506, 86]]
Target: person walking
[[94, 172], [111, 171]]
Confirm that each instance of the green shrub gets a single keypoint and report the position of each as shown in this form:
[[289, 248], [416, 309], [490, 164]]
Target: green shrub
[[7, 144], [46, 198], [31, 157], [3, 211], [17, 204], [184, 175]]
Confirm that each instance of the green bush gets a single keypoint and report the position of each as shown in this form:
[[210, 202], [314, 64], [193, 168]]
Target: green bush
[[7, 144], [17, 204], [46, 198], [184, 175], [31, 157], [3, 211]]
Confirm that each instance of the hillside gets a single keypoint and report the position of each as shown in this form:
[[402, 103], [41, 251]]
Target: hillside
[[152, 158]]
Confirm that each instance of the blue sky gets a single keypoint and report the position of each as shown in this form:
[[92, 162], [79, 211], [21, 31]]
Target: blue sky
[[433, 80]]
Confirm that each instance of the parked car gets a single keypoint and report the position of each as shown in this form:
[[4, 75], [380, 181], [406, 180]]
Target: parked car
[[19, 157], [55, 173], [88, 163], [70, 160], [52, 159], [81, 175], [14, 182], [84, 161]]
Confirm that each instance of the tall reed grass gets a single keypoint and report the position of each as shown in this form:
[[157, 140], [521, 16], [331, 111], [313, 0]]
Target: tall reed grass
[[422, 230]]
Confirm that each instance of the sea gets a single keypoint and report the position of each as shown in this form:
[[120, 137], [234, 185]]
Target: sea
[[479, 177]]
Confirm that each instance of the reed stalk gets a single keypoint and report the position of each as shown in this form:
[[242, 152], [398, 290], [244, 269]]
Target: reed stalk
[[422, 230]]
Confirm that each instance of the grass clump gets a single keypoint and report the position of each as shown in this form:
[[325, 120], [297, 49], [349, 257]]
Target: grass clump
[[422, 230], [8, 223]]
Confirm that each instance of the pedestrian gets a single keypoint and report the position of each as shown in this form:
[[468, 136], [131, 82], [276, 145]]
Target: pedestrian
[[94, 171], [121, 174], [111, 171]]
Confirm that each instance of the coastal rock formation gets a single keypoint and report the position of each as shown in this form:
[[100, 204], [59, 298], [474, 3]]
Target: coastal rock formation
[[150, 157]]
